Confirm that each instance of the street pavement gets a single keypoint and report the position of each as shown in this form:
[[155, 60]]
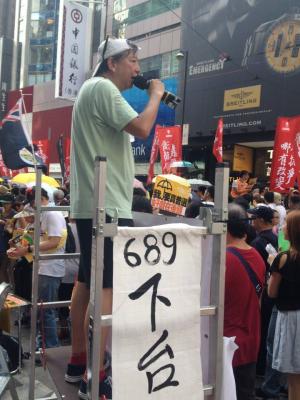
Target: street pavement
[[44, 387]]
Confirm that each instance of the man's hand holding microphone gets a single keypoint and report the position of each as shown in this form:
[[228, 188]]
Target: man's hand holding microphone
[[170, 99]]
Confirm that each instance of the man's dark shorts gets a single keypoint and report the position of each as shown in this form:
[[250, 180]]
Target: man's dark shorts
[[84, 229]]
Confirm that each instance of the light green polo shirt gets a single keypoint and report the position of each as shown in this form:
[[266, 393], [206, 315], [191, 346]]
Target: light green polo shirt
[[100, 114]]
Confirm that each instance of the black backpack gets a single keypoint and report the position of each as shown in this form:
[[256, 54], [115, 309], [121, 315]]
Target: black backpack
[[70, 242], [11, 345]]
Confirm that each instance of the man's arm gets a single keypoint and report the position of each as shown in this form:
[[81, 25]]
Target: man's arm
[[49, 244], [142, 125]]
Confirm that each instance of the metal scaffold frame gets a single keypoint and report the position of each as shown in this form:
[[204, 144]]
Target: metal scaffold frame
[[213, 223]]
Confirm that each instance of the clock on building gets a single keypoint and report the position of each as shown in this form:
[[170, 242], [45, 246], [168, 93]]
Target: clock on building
[[277, 44]]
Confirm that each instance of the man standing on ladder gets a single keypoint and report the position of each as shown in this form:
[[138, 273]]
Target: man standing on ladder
[[101, 121]]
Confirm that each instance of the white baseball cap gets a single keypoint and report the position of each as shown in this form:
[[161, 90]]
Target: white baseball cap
[[111, 47]]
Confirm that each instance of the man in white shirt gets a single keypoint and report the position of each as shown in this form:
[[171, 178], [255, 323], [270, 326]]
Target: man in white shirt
[[51, 272]]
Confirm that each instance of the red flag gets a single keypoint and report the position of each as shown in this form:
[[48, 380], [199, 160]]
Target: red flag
[[4, 171], [170, 146], [68, 152], [285, 155], [218, 143], [153, 157]]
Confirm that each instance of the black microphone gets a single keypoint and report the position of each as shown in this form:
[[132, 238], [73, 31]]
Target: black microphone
[[170, 99]]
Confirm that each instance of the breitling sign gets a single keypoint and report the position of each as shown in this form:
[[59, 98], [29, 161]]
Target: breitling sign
[[242, 98]]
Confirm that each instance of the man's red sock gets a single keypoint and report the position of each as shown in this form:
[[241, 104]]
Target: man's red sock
[[78, 358], [102, 375]]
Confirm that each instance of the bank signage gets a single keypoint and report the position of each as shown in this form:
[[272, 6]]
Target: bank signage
[[242, 64]]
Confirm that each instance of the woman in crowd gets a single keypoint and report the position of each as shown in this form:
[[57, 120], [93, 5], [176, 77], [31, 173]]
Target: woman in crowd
[[284, 286]]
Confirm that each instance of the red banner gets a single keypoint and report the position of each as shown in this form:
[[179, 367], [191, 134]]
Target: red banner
[[286, 155], [67, 155], [218, 143], [43, 150], [170, 146], [4, 171], [153, 156]]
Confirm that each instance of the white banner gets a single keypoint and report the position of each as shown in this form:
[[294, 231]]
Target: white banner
[[73, 48], [156, 313]]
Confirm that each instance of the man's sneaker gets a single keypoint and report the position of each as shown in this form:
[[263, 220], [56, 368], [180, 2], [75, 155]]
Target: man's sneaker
[[74, 373], [283, 391], [260, 394], [105, 389]]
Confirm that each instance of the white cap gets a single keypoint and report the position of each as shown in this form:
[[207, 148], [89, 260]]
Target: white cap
[[113, 47]]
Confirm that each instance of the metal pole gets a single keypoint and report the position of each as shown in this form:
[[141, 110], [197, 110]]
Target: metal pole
[[186, 55], [35, 275], [218, 279], [95, 304]]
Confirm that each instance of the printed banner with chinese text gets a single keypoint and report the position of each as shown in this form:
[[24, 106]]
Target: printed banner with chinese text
[[170, 145], [156, 330], [286, 156], [171, 193], [153, 157]]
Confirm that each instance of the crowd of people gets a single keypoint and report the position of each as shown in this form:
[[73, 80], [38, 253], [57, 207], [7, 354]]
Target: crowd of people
[[57, 277], [261, 296]]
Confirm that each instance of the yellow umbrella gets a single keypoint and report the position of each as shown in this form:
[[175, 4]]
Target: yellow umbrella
[[29, 178]]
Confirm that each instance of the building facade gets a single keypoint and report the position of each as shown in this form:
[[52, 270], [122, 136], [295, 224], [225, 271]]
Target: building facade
[[7, 20], [243, 65], [154, 26]]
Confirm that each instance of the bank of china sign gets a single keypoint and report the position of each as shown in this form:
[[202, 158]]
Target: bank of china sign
[[241, 98], [73, 50]]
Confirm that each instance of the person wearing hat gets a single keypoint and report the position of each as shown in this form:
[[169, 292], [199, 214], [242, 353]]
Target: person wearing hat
[[101, 123], [263, 224]]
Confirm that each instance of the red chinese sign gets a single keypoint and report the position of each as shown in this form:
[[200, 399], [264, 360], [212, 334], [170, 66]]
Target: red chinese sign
[[286, 156], [153, 158], [168, 142], [218, 142], [169, 139]]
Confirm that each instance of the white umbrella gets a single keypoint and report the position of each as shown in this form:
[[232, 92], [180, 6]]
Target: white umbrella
[[199, 182]]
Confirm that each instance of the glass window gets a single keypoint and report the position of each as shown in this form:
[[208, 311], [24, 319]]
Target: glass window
[[163, 65], [33, 79], [148, 9], [119, 5], [174, 63], [166, 65], [41, 54], [43, 5]]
